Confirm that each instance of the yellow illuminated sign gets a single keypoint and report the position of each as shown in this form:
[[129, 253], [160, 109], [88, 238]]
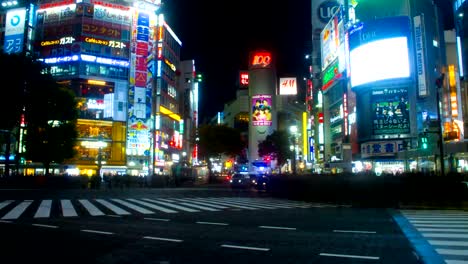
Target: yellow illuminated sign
[[169, 113], [96, 82]]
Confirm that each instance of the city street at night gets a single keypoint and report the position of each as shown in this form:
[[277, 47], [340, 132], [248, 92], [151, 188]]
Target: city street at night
[[201, 225]]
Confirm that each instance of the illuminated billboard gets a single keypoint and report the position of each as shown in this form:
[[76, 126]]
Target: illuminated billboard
[[14, 30], [390, 111], [261, 110], [288, 86], [331, 37], [379, 50], [260, 59], [244, 79]]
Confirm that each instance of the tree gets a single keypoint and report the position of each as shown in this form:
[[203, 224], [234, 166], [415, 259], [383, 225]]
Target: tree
[[276, 145], [215, 140], [48, 110], [51, 115]]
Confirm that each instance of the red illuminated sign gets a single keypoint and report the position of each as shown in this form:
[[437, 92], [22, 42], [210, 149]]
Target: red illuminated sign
[[320, 118], [244, 78], [261, 60]]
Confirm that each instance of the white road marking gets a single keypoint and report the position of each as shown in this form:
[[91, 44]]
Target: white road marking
[[5, 203], [153, 206], [157, 219], [445, 251], [49, 226], [202, 203], [112, 207], [44, 209], [16, 212], [442, 230], [211, 223], [172, 205], [354, 231], [242, 247], [445, 235], [93, 210], [278, 227], [436, 225], [448, 243], [348, 256], [163, 239], [67, 208], [454, 261], [134, 207], [97, 232], [3, 221]]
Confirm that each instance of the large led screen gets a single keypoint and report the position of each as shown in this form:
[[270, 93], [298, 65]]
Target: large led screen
[[380, 60], [379, 50]]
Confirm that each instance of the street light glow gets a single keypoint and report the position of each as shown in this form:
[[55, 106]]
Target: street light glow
[[9, 3]]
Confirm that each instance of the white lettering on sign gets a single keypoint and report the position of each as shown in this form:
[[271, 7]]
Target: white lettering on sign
[[95, 104], [418, 37]]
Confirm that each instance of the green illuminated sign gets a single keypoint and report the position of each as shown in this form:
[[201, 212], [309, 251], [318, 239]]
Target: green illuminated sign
[[330, 75]]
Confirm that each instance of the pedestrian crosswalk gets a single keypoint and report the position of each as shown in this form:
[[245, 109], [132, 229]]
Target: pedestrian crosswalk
[[48, 208], [445, 230]]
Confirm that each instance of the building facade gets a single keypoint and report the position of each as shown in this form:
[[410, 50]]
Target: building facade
[[122, 60]]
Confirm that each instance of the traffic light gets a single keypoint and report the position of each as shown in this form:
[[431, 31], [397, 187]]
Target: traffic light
[[424, 144]]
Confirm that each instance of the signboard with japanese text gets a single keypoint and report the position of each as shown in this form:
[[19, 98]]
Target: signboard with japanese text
[[381, 148], [390, 111], [14, 30], [244, 79], [261, 110]]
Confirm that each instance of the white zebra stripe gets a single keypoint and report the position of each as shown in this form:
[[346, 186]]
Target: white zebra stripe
[[92, 210], [67, 208], [16, 212], [44, 209]]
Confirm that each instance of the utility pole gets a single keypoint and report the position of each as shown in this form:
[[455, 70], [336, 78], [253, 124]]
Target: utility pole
[[439, 86]]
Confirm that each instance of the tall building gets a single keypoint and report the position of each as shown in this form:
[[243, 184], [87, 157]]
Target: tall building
[[392, 57], [122, 60]]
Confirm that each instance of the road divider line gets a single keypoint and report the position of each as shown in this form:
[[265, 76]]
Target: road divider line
[[354, 231], [278, 227], [97, 232], [48, 226], [243, 247], [157, 219], [348, 256], [114, 215], [163, 239], [211, 223]]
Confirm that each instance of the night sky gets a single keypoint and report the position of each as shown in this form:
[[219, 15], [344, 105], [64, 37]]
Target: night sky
[[219, 35]]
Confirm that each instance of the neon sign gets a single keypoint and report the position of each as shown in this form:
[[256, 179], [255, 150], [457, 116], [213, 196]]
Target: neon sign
[[110, 43], [261, 60], [89, 58], [244, 78]]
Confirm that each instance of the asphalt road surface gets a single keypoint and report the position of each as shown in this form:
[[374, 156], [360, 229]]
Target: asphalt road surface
[[205, 225]]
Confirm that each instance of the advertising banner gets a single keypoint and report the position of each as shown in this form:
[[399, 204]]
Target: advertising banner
[[381, 148], [420, 64], [14, 30], [390, 111], [288, 86], [261, 110]]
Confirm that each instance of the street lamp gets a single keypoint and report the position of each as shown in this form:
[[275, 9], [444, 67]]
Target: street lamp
[[293, 130]]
